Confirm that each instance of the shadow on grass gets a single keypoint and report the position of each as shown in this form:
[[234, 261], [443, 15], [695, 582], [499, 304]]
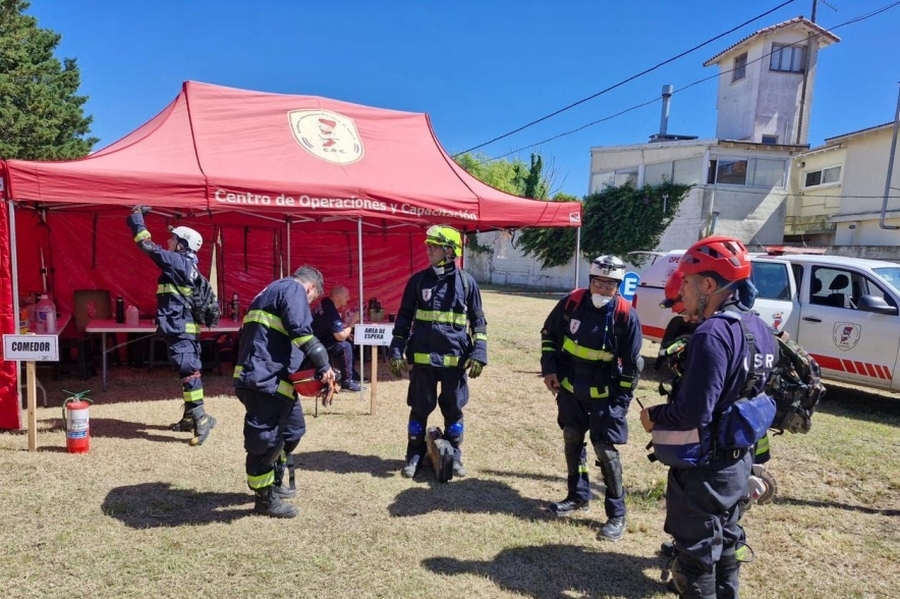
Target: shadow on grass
[[834, 504], [558, 571], [342, 462], [154, 505], [470, 495], [124, 429], [851, 402], [129, 384]]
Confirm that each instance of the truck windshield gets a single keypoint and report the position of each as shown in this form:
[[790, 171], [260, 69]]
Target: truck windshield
[[771, 280], [891, 275]]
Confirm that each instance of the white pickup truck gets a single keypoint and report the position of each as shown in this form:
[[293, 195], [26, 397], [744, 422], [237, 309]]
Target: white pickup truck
[[772, 277], [844, 311], [846, 316]]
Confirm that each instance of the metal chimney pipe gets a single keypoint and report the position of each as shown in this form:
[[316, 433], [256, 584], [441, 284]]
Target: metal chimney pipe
[[664, 118]]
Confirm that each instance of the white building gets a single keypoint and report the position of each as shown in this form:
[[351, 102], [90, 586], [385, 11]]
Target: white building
[[837, 195], [740, 177]]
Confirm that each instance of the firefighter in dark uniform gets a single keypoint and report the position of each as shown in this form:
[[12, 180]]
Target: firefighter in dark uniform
[[276, 339], [178, 266], [590, 358], [704, 491], [441, 330]]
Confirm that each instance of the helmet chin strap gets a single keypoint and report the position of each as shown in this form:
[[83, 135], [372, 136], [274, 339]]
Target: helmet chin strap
[[449, 257], [703, 300]]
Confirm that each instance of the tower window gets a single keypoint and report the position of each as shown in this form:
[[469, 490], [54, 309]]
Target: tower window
[[740, 68], [789, 59], [770, 140]]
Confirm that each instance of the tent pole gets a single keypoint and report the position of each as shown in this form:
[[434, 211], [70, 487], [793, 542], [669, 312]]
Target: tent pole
[[577, 255], [14, 258], [362, 311], [290, 272]]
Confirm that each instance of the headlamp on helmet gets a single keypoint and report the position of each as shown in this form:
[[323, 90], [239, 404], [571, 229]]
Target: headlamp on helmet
[[673, 292], [608, 266], [444, 235]]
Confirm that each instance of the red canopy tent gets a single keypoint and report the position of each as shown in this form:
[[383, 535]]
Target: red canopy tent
[[271, 180]]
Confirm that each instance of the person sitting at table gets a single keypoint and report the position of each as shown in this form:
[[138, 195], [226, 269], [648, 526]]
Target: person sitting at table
[[334, 332], [178, 266]]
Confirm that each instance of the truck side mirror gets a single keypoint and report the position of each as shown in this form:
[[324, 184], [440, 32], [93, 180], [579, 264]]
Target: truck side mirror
[[873, 303]]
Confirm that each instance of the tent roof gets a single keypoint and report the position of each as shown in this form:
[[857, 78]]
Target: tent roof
[[221, 149]]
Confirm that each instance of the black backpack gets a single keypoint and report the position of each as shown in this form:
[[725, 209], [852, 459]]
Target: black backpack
[[796, 385], [203, 303]]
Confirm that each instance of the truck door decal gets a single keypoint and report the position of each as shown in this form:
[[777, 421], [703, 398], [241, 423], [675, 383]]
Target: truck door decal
[[846, 335]]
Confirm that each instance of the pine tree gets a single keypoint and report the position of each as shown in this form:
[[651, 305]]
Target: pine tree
[[41, 115]]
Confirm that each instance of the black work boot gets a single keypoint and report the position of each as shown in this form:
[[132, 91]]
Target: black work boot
[[569, 506], [279, 480], [186, 424], [269, 503], [412, 465], [203, 424], [613, 530]]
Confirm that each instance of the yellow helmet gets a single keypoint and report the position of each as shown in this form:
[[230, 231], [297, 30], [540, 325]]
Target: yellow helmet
[[444, 235]]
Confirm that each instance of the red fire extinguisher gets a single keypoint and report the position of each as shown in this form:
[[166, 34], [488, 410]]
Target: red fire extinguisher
[[76, 413]]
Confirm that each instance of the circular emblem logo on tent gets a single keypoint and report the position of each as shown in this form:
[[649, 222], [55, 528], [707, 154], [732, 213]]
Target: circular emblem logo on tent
[[326, 135]]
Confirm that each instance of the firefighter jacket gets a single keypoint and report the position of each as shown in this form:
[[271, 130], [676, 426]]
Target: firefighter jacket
[[277, 325], [174, 285], [594, 352], [440, 322]]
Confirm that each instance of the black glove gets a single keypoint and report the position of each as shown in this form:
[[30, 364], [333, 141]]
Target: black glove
[[142, 209]]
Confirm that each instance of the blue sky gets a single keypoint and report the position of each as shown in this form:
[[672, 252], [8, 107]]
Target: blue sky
[[478, 68]]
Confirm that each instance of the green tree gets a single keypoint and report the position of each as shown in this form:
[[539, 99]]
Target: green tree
[[41, 116], [616, 220], [514, 177], [551, 246]]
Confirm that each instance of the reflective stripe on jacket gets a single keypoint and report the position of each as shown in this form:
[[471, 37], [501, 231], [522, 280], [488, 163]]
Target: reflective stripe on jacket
[[174, 285], [277, 323], [593, 356], [437, 324]]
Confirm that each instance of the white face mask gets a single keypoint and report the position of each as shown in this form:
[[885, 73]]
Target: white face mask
[[599, 300]]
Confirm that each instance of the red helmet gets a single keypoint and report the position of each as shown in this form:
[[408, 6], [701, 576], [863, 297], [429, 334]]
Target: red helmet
[[306, 383], [725, 256], [673, 297]]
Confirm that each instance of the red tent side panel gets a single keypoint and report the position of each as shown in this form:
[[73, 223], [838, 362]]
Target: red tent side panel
[[95, 250], [10, 414]]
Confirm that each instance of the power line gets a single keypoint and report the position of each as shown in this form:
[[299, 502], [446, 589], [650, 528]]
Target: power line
[[688, 86], [624, 81]]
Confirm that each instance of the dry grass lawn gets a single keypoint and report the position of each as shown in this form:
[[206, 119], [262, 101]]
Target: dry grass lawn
[[145, 515]]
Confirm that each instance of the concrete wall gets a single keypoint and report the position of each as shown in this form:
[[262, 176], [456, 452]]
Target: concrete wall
[[866, 171], [506, 265]]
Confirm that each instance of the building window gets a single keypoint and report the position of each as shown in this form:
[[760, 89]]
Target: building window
[[739, 71], [604, 179], [601, 180], [789, 59], [732, 172], [626, 175], [770, 140], [754, 172], [824, 176]]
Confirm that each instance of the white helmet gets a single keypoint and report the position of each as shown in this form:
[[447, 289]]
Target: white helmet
[[191, 238], [608, 266]]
